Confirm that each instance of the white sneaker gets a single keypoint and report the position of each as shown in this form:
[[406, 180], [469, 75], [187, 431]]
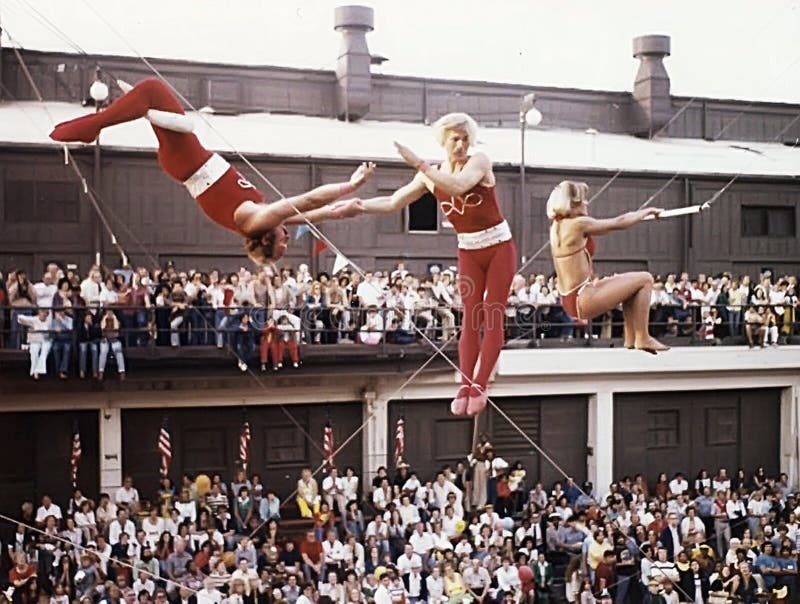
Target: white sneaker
[[243, 366], [295, 365]]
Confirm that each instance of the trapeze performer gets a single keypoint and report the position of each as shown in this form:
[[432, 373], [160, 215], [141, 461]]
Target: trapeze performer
[[223, 194], [582, 295], [464, 185]]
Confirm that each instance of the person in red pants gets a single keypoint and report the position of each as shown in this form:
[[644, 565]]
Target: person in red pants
[[223, 194], [276, 339], [464, 185]]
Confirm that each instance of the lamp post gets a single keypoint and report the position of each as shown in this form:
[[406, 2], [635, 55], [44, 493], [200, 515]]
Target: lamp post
[[528, 116], [98, 92]]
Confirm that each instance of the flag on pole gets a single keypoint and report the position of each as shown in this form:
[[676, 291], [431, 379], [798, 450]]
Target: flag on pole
[[319, 247], [399, 441], [327, 444], [244, 445], [340, 263], [165, 448], [75, 458], [301, 230]]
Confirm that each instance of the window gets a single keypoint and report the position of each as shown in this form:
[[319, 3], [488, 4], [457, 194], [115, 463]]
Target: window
[[32, 201], [722, 426], [452, 438], [768, 221], [662, 429], [423, 215], [285, 445], [525, 416], [204, 450]]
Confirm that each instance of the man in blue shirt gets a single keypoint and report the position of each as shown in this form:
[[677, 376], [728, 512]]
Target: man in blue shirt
[[767, 565]]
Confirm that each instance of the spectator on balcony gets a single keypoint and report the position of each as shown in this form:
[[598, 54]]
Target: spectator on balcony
[[371, 332], [141, 303], [45, 290], [283, 302], [443, 293], [338, 312], [313, 313], [178, 308], [88, 333], [39, 340], [162, 314], [244, 341], [22, 299], [61, 333], [109, 296], [109, 341], [754, 326]]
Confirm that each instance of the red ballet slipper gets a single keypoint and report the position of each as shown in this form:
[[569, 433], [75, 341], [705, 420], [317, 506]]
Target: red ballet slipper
[[459, 404], [477, 400], [79, 130]]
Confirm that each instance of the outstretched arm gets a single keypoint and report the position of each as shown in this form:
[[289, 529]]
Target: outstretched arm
[[268, 216], [405, 195], [473, 172], [601, 226], [346, 208]]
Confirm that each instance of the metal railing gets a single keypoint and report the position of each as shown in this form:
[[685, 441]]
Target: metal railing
[[207, 326]]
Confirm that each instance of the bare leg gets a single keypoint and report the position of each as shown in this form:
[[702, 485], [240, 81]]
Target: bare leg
[[628, 338], [605, 294]]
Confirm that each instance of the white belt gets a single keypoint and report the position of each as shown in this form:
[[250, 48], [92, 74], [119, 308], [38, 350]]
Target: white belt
[[485, 238], [206, 175]]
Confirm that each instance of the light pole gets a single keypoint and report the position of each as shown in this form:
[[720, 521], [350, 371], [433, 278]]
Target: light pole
[[98, 92], [528, 116]]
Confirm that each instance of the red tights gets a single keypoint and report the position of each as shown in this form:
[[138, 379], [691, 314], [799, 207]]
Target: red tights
[[180, 154], [488, 271], [273, 348]]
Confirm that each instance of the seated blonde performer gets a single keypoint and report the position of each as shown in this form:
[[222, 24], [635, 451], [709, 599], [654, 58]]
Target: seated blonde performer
[[583, 296]]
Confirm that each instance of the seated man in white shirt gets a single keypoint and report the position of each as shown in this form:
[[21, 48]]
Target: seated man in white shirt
[[442, 488], [489, 516], [408, 560], [333, 491], [48, 508], [380, 530], [121, 525], [333, 551], [422, 542], [127, 494], [508, 581], [409, 513]]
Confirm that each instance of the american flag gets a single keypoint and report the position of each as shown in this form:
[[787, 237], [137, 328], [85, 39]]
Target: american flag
[[75, 458], [244, 445], [165, 448], [327, 444], [399, 441]]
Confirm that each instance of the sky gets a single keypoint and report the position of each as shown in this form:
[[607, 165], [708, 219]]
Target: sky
[[738, 49]]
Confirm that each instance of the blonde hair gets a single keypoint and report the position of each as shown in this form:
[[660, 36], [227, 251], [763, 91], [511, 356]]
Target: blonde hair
[[455, 121], [567, 195]]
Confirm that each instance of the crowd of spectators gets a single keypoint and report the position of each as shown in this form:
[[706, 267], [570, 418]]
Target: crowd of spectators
[[264, 317], [479, 531]]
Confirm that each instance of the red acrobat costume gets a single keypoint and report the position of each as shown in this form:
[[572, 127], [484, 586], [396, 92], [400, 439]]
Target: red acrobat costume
[[486, 265], [216, 185]]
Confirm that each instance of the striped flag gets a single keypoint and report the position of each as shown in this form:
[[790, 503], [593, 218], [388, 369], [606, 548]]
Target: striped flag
[[399, 441], [327, 444], [244, 445], [75, 458], [165, 448]]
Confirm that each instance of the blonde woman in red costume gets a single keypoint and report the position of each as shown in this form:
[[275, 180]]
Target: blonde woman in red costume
[[583, 296], [464, 185], [222, 193]]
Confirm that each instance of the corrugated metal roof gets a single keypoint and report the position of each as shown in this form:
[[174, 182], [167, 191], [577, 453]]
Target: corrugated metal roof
[[28, 123]]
